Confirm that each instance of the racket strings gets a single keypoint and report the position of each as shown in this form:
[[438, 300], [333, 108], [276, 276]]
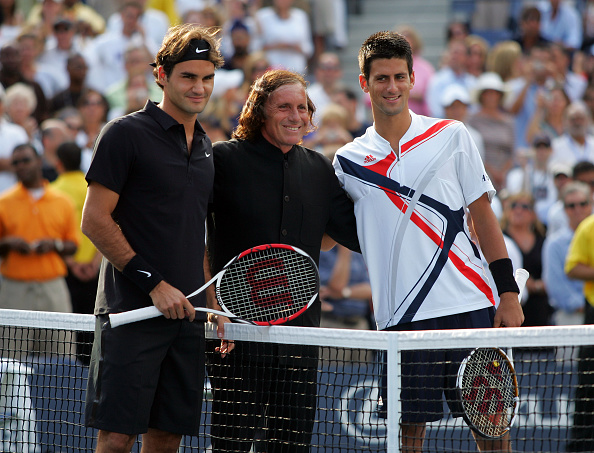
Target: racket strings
[[268, 284], [489, 392]]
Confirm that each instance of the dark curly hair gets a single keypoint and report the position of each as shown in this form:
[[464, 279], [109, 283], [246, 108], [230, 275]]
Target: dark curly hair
[[253, 115]]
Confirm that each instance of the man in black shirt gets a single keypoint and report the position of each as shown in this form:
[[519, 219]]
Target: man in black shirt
[[149, 185], [268, 189]]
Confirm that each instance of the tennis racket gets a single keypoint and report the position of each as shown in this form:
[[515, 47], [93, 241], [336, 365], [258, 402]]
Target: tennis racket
[[265, 285], [488, 386]]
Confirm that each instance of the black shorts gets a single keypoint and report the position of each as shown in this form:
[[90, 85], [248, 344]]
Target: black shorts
[[147, 374], [427, 375]]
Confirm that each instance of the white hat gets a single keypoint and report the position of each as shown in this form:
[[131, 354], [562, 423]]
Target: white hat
[[454, 93], [488, 81]]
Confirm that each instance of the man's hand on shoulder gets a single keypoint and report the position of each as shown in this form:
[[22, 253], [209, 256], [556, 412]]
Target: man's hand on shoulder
[[171, 302], [509, 313]]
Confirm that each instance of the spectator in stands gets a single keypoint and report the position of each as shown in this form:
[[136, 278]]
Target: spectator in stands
[[478, 49], [11, 135], [535, 177], [11, 73], [549, 117], [51, 78], [529, 29], [454, 73], [521, 224], [131, 93], [63, 45], [37, 229], [83, 267], [456, 102], [505, 59], [54, 132], [93, 108], [154, 22], [11, 20], [345, 291], [238, 14], [75, 10], [566, 295], [332, 132], [285, 50], [424, 70], [234, 98], [105, 55], [19, 105], [43, 16], [579, 265], [495, 125], [576, 144], [537, 71], [240, 38], [347, 97], [457, 30], [574, 84], [328, 74], [77, 68], [582, 172], [561, 23]]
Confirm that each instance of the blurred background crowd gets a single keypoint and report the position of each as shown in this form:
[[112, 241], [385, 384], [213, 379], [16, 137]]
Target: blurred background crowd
[[525, 91]]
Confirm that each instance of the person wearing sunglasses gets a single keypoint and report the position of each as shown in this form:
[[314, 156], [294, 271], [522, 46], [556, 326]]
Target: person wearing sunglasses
[[521, 224], [37, 230], [566, 295]]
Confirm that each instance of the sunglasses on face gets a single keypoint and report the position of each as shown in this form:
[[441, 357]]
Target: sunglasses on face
[[525, 206], [582, 204], [24, 160]]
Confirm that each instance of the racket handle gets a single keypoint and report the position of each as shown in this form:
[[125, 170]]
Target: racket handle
[[140, 314], [521, 279]]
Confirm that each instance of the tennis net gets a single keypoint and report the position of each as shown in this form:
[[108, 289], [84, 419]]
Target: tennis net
[[43, 376]]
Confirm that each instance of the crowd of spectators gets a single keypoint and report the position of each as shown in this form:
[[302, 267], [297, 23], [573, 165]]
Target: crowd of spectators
[[69, 66]]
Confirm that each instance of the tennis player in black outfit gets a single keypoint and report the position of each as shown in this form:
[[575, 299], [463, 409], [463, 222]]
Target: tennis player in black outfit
[[269, 189], [149, 186]]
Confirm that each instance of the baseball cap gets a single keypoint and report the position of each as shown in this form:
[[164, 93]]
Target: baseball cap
[[63, 21], [541, 139], [454, 93], [559, 168]]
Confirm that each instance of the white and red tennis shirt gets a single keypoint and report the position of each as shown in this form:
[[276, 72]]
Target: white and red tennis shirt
[[422, 264]]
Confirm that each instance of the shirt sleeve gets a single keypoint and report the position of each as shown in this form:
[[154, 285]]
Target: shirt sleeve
[[342, 225], [472, 175], [112, 158]]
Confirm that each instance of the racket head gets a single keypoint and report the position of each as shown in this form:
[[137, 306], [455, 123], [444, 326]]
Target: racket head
[[268, 284], [488, 390]]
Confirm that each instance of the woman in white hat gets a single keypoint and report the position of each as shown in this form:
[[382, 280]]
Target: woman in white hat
[[495, 125]]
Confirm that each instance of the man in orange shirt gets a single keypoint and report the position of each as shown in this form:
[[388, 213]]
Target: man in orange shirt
[[37, 229]]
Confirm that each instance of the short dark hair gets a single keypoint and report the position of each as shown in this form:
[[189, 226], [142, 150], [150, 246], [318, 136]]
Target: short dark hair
[[26, 146], [582, 167], [69, 154], [176, 42], [384, 44], [530, 12], [253, 115]]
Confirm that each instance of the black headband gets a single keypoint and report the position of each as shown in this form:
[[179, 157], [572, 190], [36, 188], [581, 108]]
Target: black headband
[[198, 49]]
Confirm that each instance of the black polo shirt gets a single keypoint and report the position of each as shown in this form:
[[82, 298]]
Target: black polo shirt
[[164, 193], [263, 196]]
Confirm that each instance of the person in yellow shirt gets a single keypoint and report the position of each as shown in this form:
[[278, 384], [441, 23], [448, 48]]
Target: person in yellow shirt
[[83, 266], [579, 265]]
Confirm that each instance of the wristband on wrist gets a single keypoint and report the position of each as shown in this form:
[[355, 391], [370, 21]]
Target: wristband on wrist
[[346, 292], [503, 276], [142, 274]]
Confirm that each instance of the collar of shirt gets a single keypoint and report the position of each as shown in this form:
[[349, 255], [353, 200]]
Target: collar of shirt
[[165, 120]]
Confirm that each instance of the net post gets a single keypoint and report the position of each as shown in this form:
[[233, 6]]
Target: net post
[[394, 356]]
